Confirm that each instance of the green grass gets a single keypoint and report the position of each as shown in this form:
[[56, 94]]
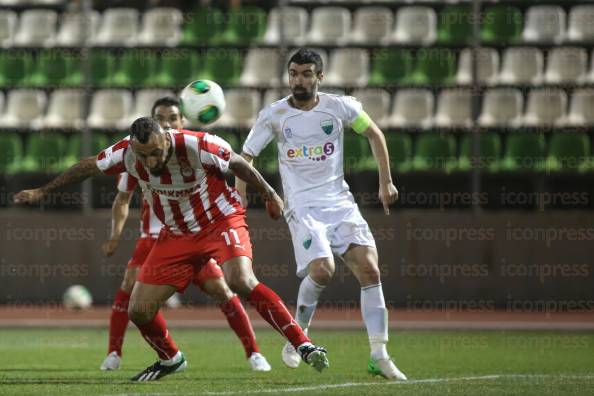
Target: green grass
[[65, 362]]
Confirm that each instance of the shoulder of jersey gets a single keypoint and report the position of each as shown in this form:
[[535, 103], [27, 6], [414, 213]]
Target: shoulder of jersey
[[188, 132]]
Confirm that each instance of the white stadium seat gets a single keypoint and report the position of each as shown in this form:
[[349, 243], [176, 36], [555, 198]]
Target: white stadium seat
[[502, 107], [76, 28], [294, 26], [241, 110], [119, 26], [544, 24], [488, 66], [144, 100], [580, 108], [8, 25], [24, 109], [415, 25], [522, 65], [272, 95], [261, 68], [329, 26], [412, 108], [376, 103], [566, 65], [581, 23], [546, 107], [161, 26], [37, 28], [110, 108], [348, 67], [454, 108], [372, 25], [65, 109]]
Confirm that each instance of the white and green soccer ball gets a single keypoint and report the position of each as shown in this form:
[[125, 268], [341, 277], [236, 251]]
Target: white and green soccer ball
[[202, 102], [77, 297]]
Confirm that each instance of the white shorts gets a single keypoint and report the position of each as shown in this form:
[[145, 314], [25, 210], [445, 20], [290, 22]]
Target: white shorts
[[321, 231]]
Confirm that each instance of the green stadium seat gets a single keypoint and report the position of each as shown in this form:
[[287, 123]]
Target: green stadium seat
[[102, 68], [435, 152], [222, 65], [135, 68], [357, 154], [245, 25], [435, 66], [267, 161], [455, 24], [489, 152], [74, 70], [74, 148], [568, 151], [51, 70], [232, 139], [45, 152], [15, 69], [203, 25], [177, 68], [11, 152], [501, 24], [524, 152], [390, 66], [400, 150]]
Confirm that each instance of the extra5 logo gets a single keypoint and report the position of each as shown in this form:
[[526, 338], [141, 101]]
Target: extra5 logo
[[314, 153]]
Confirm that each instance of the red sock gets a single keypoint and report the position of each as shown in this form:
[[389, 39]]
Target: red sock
[[156, 334], [240, 323], [118, 321], [273, 310]]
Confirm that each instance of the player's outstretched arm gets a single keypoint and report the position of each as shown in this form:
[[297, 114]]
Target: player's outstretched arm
[[249, 175], [388, 193], [240, 185], [85, 168], [119, 214]]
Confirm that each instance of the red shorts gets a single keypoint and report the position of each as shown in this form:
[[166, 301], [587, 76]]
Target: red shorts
[[143, 247], [175, 259]]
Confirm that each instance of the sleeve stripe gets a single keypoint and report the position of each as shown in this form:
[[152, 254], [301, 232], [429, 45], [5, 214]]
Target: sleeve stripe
[[361, 123]]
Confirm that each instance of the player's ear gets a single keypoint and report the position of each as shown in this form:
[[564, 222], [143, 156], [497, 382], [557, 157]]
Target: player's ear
[[320, 76]]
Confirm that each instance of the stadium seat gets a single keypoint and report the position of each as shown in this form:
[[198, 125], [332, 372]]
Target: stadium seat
[[110, 109], [502, 107], [45, 152], [294, 26], [488, 66], [8, 24], [415, 25], [15, 68], [357, 153], [261, 68], [455, 24], [11, 152], [103, 66], [454, 108], [222, 65], [434, 66], [546, 107], [177, 68], [580, 23], [412, 108], [522, 65], [51, 69], [544, 24], [267, 161], [329, 26], [74, 151], [144, 100], [119, 27], [272, 95], [161, 26], [65, 109], [77, 28], [24, 109], [376, 103], [524, 151], [566, 65], [202, 26], [580, 108], [136, 68], [348, 67], [501, 24], [400, 149], [390, 66], [241, 110], [489, 152], [434, 152], [37, 28], [245, 25], [372, 25], [568, 151]]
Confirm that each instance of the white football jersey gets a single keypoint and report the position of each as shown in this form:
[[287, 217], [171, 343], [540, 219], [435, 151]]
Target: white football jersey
[[310, 147]]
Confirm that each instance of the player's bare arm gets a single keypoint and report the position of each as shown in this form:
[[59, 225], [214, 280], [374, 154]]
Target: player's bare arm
[[240, 185], [388, 193], [119, 214], [77, 173], [249, 175]]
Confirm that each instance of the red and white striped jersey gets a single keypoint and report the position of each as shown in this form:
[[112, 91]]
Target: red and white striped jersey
[[150, 225], [191, 192]]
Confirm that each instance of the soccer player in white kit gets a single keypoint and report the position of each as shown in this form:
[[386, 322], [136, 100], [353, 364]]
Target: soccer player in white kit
[[321, 212]]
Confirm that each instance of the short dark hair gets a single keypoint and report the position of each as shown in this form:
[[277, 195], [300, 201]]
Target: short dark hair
[[142, 129], [167, 101], [306, 55]]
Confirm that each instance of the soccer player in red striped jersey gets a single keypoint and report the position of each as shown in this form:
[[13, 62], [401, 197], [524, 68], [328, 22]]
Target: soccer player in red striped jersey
[[209, 278], [181, 174]]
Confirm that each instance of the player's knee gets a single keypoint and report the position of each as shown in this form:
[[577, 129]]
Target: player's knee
[[140, 314], [321, 271], [242, 284], [369, 273], [217, 289]]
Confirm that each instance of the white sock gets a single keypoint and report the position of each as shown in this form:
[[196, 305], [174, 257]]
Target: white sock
[[375, 316], [307, 300], [173, 360]]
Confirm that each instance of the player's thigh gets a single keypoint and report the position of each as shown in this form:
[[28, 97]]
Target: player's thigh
[[129, 278], [362, 260], [239, 274], [211, 280], [146, 299]]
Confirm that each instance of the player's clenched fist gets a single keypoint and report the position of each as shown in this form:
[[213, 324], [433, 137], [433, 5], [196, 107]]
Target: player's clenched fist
[[110, 247], [29, 196], [274, 206], [388, 194]]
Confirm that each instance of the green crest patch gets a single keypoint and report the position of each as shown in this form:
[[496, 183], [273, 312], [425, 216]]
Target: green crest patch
[[327, 126]]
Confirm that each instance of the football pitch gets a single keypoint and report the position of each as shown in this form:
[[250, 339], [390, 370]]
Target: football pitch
[[66, 362]]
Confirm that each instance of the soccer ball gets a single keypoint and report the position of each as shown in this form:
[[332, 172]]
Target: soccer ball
[[202, 102], [77, 297]]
